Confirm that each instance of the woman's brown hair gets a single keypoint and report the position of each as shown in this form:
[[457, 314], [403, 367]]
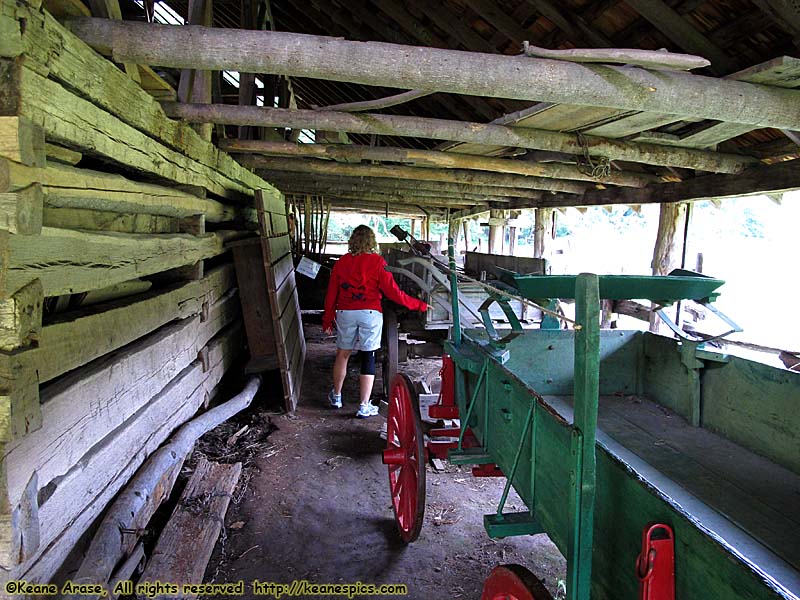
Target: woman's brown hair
[[362, 241]]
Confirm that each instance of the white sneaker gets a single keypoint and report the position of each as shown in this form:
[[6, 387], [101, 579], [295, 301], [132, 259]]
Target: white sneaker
[[334, 401], [367, 410]]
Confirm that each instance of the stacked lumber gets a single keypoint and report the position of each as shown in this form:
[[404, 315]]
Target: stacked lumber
[[113, 333]]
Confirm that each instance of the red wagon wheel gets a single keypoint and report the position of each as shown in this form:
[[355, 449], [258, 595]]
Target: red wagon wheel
[[513, 582], [405, 457]]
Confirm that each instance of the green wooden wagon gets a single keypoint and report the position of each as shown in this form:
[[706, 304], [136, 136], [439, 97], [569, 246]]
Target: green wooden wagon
[[609, 434]]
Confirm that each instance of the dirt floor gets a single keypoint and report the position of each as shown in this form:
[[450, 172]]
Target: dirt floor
[[313, 503]]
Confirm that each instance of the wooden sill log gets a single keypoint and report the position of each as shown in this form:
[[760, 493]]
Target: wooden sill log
[[133, 508], [185, 546]]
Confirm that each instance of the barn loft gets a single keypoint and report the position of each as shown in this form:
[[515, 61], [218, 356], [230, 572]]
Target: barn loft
[[166, 165]]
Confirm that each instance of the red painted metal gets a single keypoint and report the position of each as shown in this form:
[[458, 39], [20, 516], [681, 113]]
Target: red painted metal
[[488, 470], [513, 582], [655, 566], [405, 455], [446, 407]]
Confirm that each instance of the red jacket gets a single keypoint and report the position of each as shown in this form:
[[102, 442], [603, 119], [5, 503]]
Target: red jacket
[[359, 282]]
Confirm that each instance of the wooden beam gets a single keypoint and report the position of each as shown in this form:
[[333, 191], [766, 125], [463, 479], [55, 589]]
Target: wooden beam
[[330, 184], [391, 208], [413, 173], [76, 339], [474, 133], [417, 199], [68, 187], [767, 179], [681, 32], [322, 183], [21, 211], [81, 254], [415, 31], [52, 50], [407, 194], [22, 141], [389, 65], [73, 120], [430, 158]]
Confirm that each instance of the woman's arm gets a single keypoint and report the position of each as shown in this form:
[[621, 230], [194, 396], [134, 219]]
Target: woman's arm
[[388, 287], [331, 296]]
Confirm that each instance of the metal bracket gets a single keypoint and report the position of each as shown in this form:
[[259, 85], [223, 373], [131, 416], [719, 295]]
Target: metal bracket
[[695, 339], [516, 327]]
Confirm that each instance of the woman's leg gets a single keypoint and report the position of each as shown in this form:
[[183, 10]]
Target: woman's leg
[[340, 369], [365, 383]]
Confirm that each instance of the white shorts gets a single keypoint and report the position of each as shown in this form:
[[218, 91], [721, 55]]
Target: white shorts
[[359, 329]]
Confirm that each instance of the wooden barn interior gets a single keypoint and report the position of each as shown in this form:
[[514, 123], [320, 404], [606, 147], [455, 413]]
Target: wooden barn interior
[[165, 165]]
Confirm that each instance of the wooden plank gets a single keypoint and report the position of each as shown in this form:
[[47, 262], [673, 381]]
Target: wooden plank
[[82, 255], [58, 54], [68, 187], [75, 339], [22, 141], [70, 507], [71, 120], [258, 321], [87, 405], [187, 541], [21, 211], [96, 220]]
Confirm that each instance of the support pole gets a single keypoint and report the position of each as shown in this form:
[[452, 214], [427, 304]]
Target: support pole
[[666, 254]]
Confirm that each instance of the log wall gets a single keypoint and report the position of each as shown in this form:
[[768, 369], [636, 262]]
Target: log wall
[[119, 313]]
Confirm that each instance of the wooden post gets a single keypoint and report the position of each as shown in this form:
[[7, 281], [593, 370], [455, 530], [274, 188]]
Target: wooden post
[[543, 219], [195, 85], [667, 251], [465, 224], [410, 67], [496, 219]]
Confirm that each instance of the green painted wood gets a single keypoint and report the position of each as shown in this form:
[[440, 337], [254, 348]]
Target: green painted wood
[[583, 475], [551, 351], [664, 289], [667, 380], [756, 406]]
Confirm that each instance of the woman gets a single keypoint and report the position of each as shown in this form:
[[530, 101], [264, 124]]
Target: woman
[[358, 282]]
